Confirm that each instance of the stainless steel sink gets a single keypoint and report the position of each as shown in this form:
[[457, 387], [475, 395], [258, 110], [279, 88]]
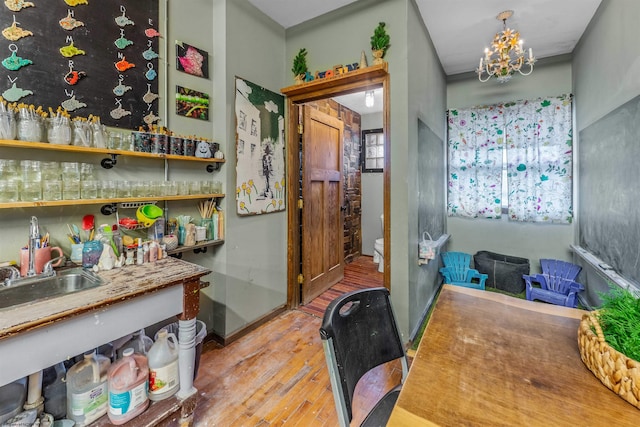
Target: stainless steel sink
[[37, 289]]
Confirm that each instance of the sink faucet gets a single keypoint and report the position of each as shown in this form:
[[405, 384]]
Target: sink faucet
[[34, 238]]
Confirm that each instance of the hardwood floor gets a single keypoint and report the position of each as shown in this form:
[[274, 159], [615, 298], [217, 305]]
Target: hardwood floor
[[277, 375], [360, 274]]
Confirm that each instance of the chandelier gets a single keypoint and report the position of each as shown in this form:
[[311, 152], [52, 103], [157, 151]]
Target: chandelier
[[506, 55]]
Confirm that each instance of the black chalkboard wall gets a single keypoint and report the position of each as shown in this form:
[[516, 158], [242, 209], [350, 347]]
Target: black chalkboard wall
[[97, 38], [431, 173], [609, 189]]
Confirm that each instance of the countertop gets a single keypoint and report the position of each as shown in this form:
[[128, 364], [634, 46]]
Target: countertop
[[120, 284]]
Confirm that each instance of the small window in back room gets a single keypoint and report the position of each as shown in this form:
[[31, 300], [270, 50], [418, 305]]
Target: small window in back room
[[372, 150]]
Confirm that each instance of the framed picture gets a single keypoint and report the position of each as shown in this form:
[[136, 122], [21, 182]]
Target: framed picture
[[192, 60], [260, 145], [372, 150], [191, 103]]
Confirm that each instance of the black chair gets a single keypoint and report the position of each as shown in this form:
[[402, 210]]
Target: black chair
[[359, 332]]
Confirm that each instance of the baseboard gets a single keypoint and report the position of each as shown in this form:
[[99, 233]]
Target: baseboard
[[224, 341]]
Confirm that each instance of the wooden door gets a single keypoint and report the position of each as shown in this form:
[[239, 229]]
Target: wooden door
[[322, 188]]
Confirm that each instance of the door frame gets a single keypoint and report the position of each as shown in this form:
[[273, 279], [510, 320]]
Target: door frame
[[356, 81]]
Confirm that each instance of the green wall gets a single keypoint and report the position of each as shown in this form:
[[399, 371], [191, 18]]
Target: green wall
[[250, 278], [338, 38], [527, 240]]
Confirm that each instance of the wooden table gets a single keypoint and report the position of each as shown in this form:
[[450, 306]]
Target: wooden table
[[487, 359]]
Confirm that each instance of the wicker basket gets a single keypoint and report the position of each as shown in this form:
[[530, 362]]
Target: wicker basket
[[615, 370]]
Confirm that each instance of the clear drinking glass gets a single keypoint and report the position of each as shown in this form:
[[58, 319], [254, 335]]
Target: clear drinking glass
[[8, 191], [70, 171], [52, 189], [50, 171], [71, 189], [31, 191], [89, 189], [108, 189], [59, 131], [31, 170], [194, 187], [124, 189]]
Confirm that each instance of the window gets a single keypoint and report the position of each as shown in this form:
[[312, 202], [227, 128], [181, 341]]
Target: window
[[372, 150], [516, 155]]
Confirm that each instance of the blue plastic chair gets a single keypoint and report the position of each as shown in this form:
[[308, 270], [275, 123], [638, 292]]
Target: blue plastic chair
[[457, 271], [556, 284]]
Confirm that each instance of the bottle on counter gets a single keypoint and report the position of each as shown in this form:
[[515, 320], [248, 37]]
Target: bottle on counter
[[153, 251], [87, 389], [139, 253], [164, 378], [128, 381]]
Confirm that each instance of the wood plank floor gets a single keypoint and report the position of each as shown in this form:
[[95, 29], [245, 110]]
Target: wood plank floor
[[277, 375], [360, 274]]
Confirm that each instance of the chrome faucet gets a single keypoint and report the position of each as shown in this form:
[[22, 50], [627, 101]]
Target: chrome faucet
[[34, 238]]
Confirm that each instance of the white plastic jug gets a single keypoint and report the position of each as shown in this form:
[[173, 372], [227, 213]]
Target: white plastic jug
[[87, 389], [128, 384], [164, 380]]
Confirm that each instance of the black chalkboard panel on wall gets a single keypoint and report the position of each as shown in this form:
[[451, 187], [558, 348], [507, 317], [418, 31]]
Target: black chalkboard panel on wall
[[609, 189], [102, 34]]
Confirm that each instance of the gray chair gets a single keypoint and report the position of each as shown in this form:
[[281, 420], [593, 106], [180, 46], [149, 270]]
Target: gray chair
[[359, 332]]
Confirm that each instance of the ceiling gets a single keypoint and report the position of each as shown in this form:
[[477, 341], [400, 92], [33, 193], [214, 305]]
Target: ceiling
[[461, 29]]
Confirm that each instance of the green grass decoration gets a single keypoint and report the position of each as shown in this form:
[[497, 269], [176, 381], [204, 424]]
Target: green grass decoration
[[619, 318]]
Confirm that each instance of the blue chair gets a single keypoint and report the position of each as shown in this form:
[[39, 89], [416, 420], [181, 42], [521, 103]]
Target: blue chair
[[556, 284], [457, 271]]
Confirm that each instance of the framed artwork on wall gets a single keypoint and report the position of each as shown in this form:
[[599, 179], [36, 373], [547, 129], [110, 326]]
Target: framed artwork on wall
[[192, 60], [260, 145], [191, 103], [372, 150]]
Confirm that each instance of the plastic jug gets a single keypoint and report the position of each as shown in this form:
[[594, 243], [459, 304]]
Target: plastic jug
[[164, 380], [128, 385], [54, 390], [139, 342], [87, 389]]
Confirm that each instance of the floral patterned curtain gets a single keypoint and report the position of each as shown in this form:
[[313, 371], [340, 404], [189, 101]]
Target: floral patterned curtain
[[475, 139], [539, 160], [537, 136]]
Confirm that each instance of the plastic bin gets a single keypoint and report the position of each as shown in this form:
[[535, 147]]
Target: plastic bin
[[504, 271], [201, 332]]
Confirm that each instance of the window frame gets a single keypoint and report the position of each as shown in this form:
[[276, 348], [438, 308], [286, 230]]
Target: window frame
[[363, 150]]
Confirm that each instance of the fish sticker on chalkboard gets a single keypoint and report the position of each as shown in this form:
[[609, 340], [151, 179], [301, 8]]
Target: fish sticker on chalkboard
[[151, 32], [70, 51], [122, 42], [69, 22], [14, 62], [72, 103], [149, 54], [18, 5], [122, 20], [149, 97], [151, 118], [14, 33], [121, 89], [124, 65], [119, 112], [15, 93], [73, 77], [74, 3], [151, 73]]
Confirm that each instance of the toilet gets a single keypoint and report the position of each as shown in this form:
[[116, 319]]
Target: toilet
[[378, 248]]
